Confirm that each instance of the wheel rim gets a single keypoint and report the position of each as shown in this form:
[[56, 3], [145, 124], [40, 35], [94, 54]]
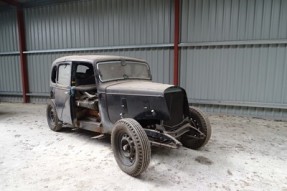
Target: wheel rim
[[126, 148], [52, 117], [192, 133]]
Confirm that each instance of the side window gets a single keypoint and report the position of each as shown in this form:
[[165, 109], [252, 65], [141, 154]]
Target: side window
[[54, 74], [82, 69], [85, 74], [64, 74]]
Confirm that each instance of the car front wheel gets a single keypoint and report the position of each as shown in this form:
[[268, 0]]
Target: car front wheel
[[131, 146]]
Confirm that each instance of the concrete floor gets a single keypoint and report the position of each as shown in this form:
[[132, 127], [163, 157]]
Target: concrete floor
[[243, 154]]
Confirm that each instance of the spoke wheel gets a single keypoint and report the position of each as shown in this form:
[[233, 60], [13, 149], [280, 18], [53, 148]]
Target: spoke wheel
[[131, 146], [193, 139]]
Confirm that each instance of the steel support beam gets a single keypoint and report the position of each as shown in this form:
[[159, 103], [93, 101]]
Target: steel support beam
[[234, 43], [9, 53], [127, 47], [176, 42], [23, 58]]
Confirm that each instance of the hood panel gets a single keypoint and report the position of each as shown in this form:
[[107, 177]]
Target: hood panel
[[137, 87]]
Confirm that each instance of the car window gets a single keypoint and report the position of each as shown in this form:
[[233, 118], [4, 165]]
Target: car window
[[82, 68], [117, 70], [84, 74], [54, 74], [64, 74]]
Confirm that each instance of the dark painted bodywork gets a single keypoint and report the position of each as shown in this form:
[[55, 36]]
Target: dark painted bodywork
[[143, 100]]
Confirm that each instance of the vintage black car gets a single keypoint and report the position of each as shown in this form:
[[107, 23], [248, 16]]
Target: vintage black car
[[114, 95]]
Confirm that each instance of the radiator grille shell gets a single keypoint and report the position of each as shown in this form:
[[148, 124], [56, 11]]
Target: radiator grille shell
[[174, 98]]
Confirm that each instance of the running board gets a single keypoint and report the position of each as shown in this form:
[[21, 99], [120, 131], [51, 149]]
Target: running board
[[91, 126], [101, 136]]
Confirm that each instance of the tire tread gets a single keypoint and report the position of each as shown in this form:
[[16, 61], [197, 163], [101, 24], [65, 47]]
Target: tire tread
[[195, 112], [142, 145]]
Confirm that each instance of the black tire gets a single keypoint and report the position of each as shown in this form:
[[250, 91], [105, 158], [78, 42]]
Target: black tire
[[201, 122], [52, 118], [131, 146]]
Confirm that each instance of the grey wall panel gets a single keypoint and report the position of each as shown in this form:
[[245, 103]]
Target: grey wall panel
[[12, 99], [8, 31], [226, 20], [235, 79], [81, 24], [160, 61], [9, 64], [40, 100], [236, 73], [264, 113], [10, 74]]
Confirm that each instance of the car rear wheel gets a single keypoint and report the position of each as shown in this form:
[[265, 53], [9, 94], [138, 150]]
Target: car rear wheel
[[131, 146], [52, 117], [193, 139]]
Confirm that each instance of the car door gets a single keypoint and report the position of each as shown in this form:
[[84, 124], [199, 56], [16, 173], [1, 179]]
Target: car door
[[62, 92]]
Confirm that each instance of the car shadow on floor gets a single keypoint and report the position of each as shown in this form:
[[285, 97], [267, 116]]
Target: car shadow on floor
[[5, 114], [160, 156], [155, 150]]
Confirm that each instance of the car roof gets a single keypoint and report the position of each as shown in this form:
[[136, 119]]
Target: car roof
[[94, 58]]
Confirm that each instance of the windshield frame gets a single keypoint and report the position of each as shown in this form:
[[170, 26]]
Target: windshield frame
[[122, 78]]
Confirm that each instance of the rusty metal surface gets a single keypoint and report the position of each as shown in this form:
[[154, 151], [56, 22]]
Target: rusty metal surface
[[176, 42], [23, 57]]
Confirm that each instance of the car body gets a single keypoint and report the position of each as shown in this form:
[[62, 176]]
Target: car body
[[115, 95]]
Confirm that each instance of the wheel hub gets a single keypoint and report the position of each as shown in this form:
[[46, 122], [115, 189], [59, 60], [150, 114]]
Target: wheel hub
[[52, 116], [195, 132], [127, 147]]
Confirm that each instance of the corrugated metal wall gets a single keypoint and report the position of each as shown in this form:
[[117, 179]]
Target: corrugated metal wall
[[9, 56], [233, 56], [82, 24], [8, 31], [228, 20], [137, 28], [251, 73], [232, 52], [10, 75]]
